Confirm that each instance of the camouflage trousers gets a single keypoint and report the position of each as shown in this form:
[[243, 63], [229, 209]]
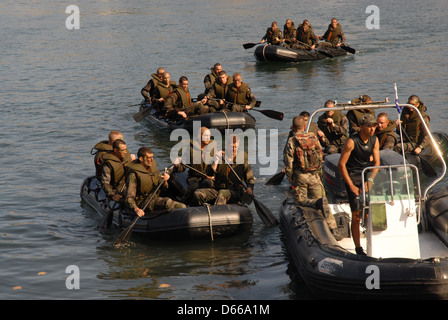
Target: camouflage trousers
[[310, 184], [221, 197], [161, 203], [307, 183]]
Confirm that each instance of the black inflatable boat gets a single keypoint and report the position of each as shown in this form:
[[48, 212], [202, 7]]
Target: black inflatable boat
[[217, 120], [272, 53], [178, 224], [403, 230]]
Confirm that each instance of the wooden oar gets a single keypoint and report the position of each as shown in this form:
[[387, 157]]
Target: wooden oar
[[124, 237], [263, 212], [250, 45], [139, 116]]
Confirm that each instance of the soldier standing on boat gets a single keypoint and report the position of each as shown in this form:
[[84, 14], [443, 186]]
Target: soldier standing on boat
[[142, 181], [354, 158], [303, 158]]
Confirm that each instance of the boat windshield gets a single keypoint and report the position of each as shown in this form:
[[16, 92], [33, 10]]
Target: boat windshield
[[391, 184]]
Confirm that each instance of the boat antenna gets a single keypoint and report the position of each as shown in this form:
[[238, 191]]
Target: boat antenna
[[399, 109]]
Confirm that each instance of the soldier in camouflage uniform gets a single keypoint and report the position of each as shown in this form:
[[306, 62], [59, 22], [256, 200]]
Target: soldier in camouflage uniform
[[273, 35], [105, 147], [114, 168], [143, 179], [228, 188], [303, 159]]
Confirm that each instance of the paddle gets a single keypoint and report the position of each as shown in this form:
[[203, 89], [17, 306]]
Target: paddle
[[276, 179], [263, 212], [426, 167], [277, 115], [250, 45], [139, 116], [329, 55], [348, 49], [124, 237]]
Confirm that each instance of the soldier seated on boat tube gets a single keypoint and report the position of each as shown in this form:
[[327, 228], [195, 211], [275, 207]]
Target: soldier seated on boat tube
[[156, 78], [413, 128], [239, 96], [354, 116], [180, 104], [210, 78], [227, 169], [334, 125], [162, 91], [273, 35], [385, 132], [202, 151], [143, 179], [217, 93], [306, 39], [114, 170], [334, 36], [289, 33]]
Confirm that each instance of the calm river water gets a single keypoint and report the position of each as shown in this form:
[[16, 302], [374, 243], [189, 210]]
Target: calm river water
[[63, 90]]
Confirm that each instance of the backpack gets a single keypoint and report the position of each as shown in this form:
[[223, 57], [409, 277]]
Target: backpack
[[308, 152]]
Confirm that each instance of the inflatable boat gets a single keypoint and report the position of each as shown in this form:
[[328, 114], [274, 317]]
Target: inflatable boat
[[274, 53], [403, 230], [217, 120], [179, 224]]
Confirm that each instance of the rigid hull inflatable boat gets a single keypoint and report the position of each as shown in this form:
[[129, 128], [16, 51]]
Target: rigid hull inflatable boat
[[403, 232]]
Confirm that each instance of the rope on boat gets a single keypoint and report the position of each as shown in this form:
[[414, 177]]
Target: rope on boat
[[227, 119], [209, 220]]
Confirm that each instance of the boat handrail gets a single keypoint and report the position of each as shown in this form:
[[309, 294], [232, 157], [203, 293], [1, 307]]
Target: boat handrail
[[390, 167], [385, 106]]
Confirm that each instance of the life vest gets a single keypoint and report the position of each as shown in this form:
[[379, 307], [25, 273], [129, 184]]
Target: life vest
[[220, 90], [184, 99], [237, 95], [101, 148], [118, 171], [308, 152], [147, 181]]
